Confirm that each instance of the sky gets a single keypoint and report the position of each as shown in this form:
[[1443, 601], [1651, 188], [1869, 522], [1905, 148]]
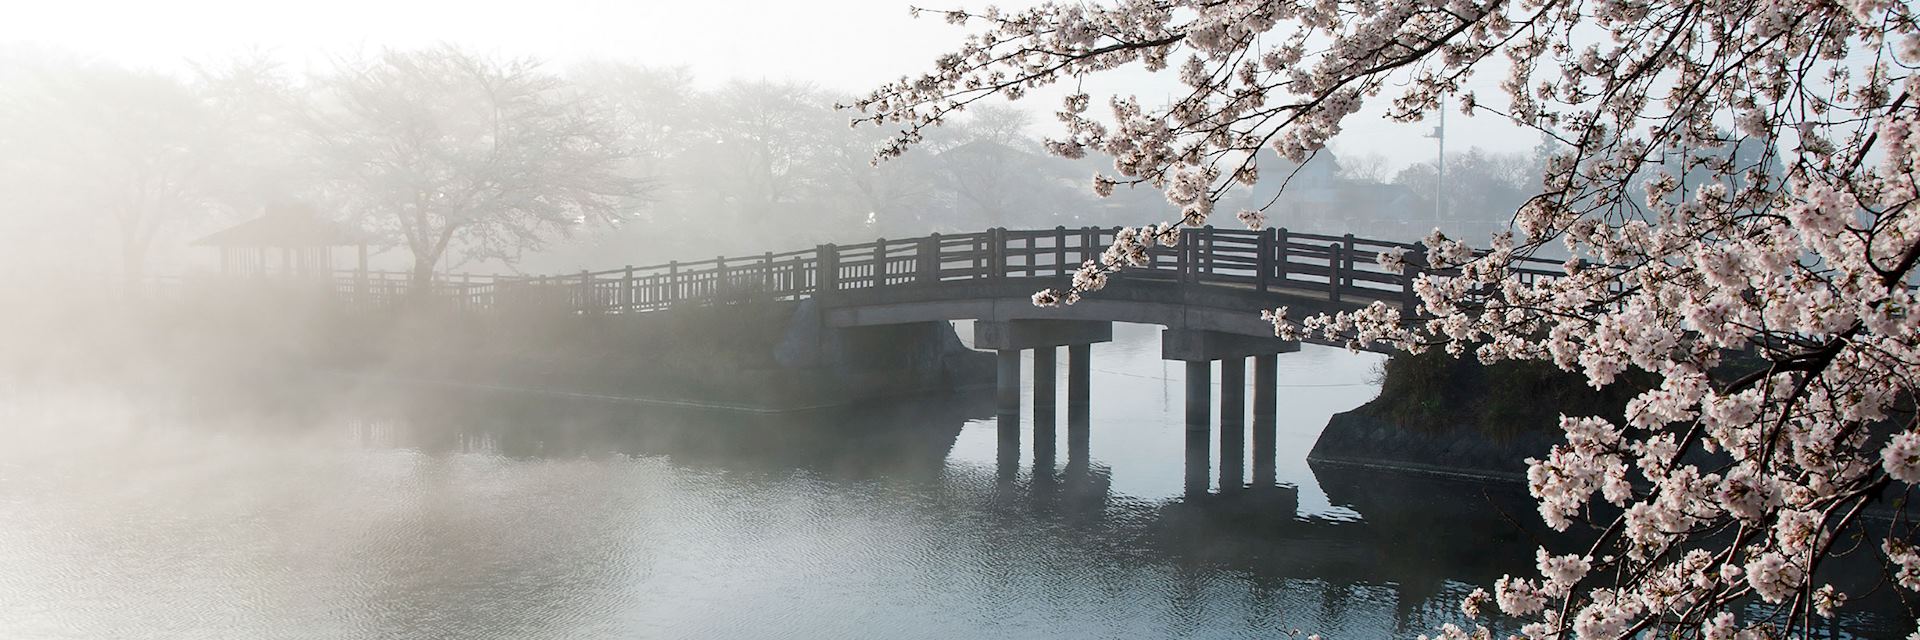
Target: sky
[[849, 46]]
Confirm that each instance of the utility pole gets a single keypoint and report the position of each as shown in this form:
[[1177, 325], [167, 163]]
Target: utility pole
[[1440, 185]]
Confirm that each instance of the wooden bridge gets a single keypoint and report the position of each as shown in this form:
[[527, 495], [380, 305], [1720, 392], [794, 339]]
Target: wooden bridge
[[1338, 269], [1205, 291]]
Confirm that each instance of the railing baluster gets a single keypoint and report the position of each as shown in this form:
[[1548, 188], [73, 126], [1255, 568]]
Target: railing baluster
[[827, 277], [1333, 271], [927, 264], [1282, 250], [1263, 260], [1347, 254], [1207, 262], [626, 292]]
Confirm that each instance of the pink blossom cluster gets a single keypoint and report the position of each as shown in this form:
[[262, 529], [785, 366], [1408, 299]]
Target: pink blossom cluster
[[1768, 285]]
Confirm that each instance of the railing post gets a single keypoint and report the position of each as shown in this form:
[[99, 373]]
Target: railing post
[[586, 292], [719, 276], [826, 277], [1281, 252], [1263, 261], [1334, 260], [1409, 301], [1348, 254], [627, 300], [997, 253], [671, 290], [1181, 254], [466, 292], [766, 272], [1187, 254], [879, 263], [927, 264], [1207, 252]]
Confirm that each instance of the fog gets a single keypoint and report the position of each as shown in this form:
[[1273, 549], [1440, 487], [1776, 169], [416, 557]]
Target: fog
[[127, 138]]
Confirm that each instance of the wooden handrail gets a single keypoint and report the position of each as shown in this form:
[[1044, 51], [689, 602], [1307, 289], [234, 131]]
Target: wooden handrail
[[1340, 268]]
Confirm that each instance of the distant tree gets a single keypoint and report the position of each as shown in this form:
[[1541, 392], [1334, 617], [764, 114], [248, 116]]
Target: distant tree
[[762, 159], [1364, 167], [445, 148], [993, 171], [141, 152], [1482, 190]]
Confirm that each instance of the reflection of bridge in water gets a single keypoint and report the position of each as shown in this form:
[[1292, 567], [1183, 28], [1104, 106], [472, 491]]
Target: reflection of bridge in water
[[1418, 547]]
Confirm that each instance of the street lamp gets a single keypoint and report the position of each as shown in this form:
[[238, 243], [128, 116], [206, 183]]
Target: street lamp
[[1440, 185]]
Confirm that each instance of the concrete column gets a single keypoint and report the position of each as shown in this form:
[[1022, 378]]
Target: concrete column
[[1233, 426], [1043, 380], [1008, 383], [1045, 440], [1199, 394], [1044, 436], [1007, 454], [1079, 381], [1265, 411], [1198, 462], [1266, 380], [1079, 435], [1233, 391]]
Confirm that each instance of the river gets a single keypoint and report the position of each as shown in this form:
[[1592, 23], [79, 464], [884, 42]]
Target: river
[[381, 511]]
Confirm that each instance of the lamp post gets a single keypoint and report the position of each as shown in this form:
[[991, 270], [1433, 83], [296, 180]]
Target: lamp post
[[1440, 185]]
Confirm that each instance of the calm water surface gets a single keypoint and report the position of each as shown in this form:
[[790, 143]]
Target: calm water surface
[[437, 515]]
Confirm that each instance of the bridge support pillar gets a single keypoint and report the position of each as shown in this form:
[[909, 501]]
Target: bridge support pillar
[[1265, 414], [1044, 376], [1007, 383], [1045, 442], [1079, 378], [1007, 453], [1198, 472], [1233, 426], [1079, 436], [1199, 395]]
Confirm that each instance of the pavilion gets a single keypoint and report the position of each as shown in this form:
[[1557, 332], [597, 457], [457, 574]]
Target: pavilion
[[304, 242]]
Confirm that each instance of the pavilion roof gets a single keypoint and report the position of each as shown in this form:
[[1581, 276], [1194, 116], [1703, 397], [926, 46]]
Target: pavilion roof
[[290, 226]]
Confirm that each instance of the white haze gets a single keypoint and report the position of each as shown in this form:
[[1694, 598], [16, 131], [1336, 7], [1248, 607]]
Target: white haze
[[845, 46]]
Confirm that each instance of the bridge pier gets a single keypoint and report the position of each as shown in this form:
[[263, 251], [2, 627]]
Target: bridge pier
[[1007, 383], [1007, 453], [1198, 462], [1233, 427], [1010, 337], [1079, 378], [1045, 441], [1043, 380], [1199, 348], [1079, 436], [1199, 395], [1265, 414]]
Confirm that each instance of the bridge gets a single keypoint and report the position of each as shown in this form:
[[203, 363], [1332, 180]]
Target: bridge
[[1204, 292]]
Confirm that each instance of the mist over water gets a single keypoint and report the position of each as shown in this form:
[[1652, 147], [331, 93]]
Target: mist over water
[[436, 513], [452, 515]]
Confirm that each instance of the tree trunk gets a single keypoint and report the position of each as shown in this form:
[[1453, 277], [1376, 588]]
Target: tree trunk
[[420, 284]]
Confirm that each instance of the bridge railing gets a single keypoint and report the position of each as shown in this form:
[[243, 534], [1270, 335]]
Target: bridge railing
[[1341, 268]]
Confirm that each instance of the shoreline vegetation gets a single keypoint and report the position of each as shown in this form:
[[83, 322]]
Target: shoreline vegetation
[[1454, 416]]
